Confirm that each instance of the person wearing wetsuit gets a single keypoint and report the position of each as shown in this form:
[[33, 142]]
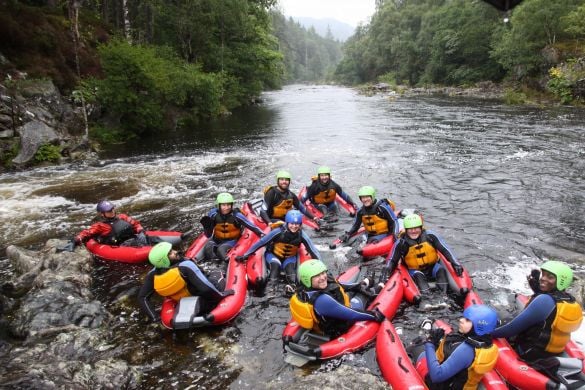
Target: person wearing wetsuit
[[323, 191], [115, 229], [377, 216], [175, 277], [460, 359], [279, 199], [224, 226], [544, 327], [418, 248], [283, 245], [322, 304]]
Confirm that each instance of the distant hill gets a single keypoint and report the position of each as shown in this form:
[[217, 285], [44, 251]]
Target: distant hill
[[340, 31]]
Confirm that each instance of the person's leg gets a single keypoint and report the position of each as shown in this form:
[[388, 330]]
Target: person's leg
[[223, 249], [440, 275]]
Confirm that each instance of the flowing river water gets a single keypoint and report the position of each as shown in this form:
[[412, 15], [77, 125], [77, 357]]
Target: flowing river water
[[502, 185]]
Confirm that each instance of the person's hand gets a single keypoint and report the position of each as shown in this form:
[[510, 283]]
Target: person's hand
[[344, 237], [227, 293], [458, 269], [378, 315], [69, 247], [241, 259], [434, 336], [534, 281], [318, 221]]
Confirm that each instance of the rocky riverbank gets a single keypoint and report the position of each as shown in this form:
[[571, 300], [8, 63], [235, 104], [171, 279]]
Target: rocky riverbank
[[38, 125]]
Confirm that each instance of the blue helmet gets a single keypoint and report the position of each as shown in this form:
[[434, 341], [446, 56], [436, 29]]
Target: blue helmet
[[483, 318], [104, 206], [294, 216]]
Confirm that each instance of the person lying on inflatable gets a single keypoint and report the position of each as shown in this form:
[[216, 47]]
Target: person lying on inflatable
[[323, 191], [544, 327], [279, 199], [460, 359], [114, 229], [176, 277], [377, 216], [418, 247], [321, 303], [224, 225], [282, 251]]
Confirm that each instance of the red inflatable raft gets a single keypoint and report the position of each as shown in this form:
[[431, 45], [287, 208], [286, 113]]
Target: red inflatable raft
[[130, 254], [311, 346], [517, 372], [229, 307], [338, 199]]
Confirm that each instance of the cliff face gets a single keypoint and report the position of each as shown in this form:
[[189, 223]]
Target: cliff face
[[38, 73]]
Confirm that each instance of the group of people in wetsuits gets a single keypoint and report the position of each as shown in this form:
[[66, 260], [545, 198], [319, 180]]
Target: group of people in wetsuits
[[321, 303]]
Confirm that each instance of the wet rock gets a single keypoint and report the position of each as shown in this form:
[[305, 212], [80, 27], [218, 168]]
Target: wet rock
[[32, 136], [64, 337], [344, 377]]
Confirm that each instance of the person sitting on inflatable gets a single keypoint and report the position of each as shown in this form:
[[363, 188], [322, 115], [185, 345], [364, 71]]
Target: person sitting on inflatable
[[323, 191], [175, 277], [279, 199], [462, 358], [544, 327], [377, 216], [418, 247], [321, 303], [115, 229], [283, 245], [224, 224]]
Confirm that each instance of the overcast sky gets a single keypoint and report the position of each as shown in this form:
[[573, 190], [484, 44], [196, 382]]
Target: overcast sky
[[349, 11]]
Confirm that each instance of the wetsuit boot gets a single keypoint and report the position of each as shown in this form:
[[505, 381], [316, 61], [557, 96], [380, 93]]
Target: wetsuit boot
[[421, 282], [290, 273]]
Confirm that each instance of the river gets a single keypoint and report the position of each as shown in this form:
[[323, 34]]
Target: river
[[503, 185]]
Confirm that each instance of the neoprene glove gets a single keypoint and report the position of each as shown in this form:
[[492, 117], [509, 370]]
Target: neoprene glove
[[344, 237], [386, 273], [241, 259], [458, 269], [378, 315], [228, 293], [69, 247], [533, 281], [435, 335]]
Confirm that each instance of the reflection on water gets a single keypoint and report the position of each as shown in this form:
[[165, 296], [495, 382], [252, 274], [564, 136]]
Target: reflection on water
[[503, 186]]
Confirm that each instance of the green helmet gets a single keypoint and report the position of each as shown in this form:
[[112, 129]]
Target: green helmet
[[282, 174], [159, 255], [367, 191], [224, 197], [412, 221], [324, 171], [309, 269], [563, 273]]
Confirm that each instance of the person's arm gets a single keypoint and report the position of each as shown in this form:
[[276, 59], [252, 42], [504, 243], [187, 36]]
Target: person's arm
[[391, 217], [326, 306], [95, 230], [136, 226], [459, 360], [301, 207], [310, 247], [199, 281], [398, 251], [345, 196], [263, 241], [357, 221], [144, 295], [442, 247], [247, 223], [538, 311], [267, 204]]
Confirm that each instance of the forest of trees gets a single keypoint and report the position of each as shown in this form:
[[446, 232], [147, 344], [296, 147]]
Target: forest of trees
[[461, 42], [148, 64]]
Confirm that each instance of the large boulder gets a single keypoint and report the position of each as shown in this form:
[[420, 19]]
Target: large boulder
[[32, 136]]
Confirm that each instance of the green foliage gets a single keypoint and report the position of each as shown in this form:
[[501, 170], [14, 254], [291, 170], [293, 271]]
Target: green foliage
[[534, 25], [47, 153], [575, 22], [563, 79], [106, 135], [8, 151], [513, 97], [142, 83]]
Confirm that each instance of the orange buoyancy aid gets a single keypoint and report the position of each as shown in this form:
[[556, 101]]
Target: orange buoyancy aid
[[171, 284], [421, 255], [226, 227], [280, 209], [374, 224], [301, 306]]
